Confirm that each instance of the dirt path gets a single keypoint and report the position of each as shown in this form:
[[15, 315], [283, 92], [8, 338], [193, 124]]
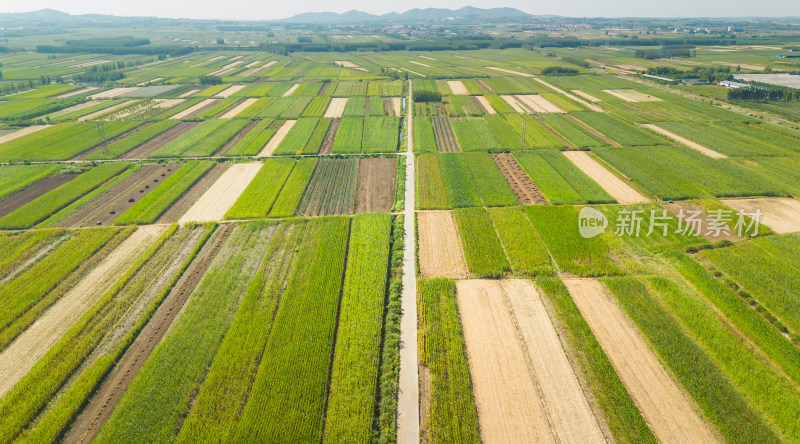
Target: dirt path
[[330, 137], [520, 182], [182, 204], [37, 189], [236, 138], [376, 181], [594, 131], [510, 408], [192, 110], [619, 190], [17, 360], [336, 108], [667, 410], [782, 214], [570, 415], [440, 252], [682, 140], [143, 150], [239, 108], [277, 138], [218, 199], [22, 132], [111, 390], [408, 402]]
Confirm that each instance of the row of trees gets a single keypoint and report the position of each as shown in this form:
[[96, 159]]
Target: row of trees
[[762, 92]]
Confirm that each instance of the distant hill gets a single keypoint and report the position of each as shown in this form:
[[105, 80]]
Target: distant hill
[[413, 15]]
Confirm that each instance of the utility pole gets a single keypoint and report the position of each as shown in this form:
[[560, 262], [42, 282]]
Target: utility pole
[[101, 130]]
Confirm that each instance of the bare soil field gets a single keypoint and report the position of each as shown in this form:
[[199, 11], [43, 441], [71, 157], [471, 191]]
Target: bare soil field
[[521, 183], [322, 90], [104, 111], [219, 198], [675, 209], [509, 71], [117, 199], [31, 345], [225, 69], [143, 150], [76, 92], [192, 110], [277, 138], [336, 108], [509, 405], [682, 140], [570, 415], [189, 93], [446, 141], [586, 96], [515, 103], [256, 70], [613, 185], [440, 251], [236, 110], [331, 189], [668, 411], [113, 92], [183, 203], [571, 96], [22, 132], [397, 104], [235, 139], [376, 184], [484, 104], [630, 95], [594, 131], [330, 137], [537, 104], [457, 87], [231, 90], [33, 191], [110, 391], [291, 90], [782, 214]]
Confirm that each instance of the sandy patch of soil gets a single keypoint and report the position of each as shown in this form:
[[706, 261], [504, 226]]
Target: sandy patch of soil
[[277, 138], [218, 199], [457, 87], [440, 251], [619, 190], [782, 214], [336, 108]]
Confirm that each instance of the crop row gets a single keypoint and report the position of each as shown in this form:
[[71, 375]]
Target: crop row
[[16, 177], [559, 179], [257, 199], [61, 141], [202, 140]]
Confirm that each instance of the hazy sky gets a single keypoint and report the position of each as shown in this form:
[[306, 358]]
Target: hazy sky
[[255, 10]]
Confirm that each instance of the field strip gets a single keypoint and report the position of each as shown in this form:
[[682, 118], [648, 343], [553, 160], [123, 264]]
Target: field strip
[[33, 191], [668, 412], [206, 61], [277, 138], [631, 96], [426, 57], [336, 108], [593, 131], [257, 70], [102, 403], [531, 105], [408, 70], [76, 92], [440, 252], [458, 88], [680, 139], [189, 93], [87, 64], [193, 109], [225, 69], [252, 64], [486, 105], [547, 105], [462, 57], [512, 102], [570, 416], [218, 199], [239, 108], [22, 132], [508, 71], [157, 79], [586, 96], [613, 185], [408, 398], [227, 92], [782, 214], [291, 90], [114, 92], [419, 63], [104, 111], [17, 360], [397, 105], [570, 96], [509, 404]]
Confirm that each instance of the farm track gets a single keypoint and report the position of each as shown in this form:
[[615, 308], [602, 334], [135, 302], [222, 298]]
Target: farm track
[[235, 139], [667, 410], [330, 136], [22, 354], [566, 142], [33, 191], [520, 182], [117, 198], [605, 138], [446, 141], [98, 410], [182, 204], [440, 251], [376, 184], [145, 149]]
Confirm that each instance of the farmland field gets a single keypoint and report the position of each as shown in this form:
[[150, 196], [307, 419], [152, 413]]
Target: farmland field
[[430, 226]]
